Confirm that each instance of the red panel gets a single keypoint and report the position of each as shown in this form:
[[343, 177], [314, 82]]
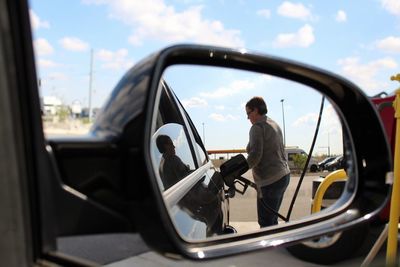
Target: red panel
[[386, 111]]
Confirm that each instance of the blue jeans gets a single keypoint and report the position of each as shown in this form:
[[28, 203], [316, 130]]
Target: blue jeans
[[272, 196]]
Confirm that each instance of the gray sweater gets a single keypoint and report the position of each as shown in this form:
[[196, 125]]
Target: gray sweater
[[266, 152]]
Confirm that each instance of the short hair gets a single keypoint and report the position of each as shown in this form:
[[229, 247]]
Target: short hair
[[258, 103], [161, 141]]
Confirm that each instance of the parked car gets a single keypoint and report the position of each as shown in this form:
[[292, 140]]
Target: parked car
[[292, 151], [335, 164], [109, 181], [322, 164]]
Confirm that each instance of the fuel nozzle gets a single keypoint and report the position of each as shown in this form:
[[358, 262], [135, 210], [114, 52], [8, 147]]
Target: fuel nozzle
[[232, 170]]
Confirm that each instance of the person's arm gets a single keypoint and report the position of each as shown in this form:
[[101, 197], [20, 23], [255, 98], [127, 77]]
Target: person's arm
[[255, 146]]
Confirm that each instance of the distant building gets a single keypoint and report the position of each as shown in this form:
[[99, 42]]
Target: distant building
[[76, 109], [85, 112], [50, 105]]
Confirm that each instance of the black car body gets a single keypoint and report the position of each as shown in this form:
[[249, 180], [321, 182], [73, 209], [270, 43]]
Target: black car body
[[322, 164], [335, 164], [198, 203]]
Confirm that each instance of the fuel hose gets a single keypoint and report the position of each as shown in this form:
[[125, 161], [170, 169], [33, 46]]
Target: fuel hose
[[308, 160]]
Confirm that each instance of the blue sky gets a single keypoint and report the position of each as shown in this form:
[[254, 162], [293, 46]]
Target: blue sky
[[359, 40]]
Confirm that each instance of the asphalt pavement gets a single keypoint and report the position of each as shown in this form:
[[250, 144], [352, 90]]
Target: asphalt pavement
[[122, 250], [278, 257], [273, 257], [243, 210]]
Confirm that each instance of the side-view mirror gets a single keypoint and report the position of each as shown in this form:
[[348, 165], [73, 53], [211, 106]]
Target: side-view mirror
[[188, 207]]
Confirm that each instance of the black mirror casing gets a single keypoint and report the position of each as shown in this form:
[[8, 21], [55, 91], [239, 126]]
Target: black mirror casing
[[366, 139]]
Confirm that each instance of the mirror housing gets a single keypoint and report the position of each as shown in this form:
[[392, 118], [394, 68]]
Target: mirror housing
[[366, 191]]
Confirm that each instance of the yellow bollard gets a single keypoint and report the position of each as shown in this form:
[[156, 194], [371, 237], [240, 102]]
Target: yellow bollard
[[323, 186], [391, 251]]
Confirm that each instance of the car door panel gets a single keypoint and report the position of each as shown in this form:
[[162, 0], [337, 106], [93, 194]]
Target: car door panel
[[92, 168], [195, 202], [89, 177]]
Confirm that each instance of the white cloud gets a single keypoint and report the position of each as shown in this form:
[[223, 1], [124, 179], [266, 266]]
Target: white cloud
[[155, 20], [54, 76], [308, 119], [266, 77], [330, 128], [44, 63], [365, 75], [114, 60], [221, 117], [220, 107], [74, 44], [304, 37], [194, 102], [266, 13], [393, 6], [95, 2], [296, 11], [36, 22], [330, 120], [341, 16], [233, 88], [390, 44], [58, 76], [106, 55], [42, 47], [180, 139]]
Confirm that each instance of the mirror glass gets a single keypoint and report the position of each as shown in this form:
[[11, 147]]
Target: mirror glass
[[200, 148]]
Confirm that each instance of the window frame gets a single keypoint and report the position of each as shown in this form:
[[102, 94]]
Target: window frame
[[174, 102]]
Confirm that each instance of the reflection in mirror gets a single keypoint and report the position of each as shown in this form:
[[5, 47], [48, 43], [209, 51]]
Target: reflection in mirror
[[204, 121], [172, 146]]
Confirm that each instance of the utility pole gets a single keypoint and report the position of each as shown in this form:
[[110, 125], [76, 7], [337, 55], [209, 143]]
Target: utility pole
[[329, 146], [284, 130], [90, 85], [204, 136]]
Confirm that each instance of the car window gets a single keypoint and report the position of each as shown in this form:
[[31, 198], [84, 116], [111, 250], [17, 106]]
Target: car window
[[199, 147], [199, 150]]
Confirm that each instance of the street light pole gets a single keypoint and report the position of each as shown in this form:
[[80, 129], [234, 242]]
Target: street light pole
[[329, 146], [284, 130]]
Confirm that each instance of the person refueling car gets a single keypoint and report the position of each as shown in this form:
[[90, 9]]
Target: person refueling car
[[266, 158]]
